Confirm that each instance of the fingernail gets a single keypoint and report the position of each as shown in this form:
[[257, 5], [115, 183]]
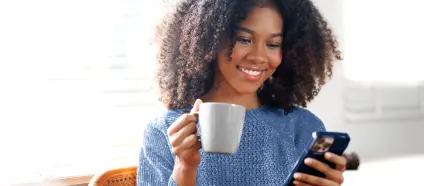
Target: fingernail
[[308, 161], [297, 175], [296, 182], [329, 155]]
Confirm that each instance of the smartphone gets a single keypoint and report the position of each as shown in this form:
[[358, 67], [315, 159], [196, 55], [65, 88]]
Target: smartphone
[[322, 142]]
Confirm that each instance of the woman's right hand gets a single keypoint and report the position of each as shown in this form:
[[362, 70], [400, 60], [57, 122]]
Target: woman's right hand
[[182, 135]]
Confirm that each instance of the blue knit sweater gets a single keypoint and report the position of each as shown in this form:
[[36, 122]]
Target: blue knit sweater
[[271, 143]]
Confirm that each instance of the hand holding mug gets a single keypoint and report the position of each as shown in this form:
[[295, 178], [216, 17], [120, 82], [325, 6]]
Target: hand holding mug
[[182, 136], [221, 126]]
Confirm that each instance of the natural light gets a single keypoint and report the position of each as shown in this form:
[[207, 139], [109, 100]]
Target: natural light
[[75, 77], [383, 40]]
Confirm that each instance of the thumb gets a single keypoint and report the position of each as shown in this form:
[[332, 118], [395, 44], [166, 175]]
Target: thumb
[[196, 106]]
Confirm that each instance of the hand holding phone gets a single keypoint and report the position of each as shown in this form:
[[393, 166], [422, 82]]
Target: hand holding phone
[[322, 142]]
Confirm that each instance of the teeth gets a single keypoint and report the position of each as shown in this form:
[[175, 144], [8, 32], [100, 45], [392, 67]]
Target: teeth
[[251, 72]]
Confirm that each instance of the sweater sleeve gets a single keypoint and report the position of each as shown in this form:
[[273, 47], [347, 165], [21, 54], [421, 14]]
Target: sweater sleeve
[[306, 124], [155, 160]]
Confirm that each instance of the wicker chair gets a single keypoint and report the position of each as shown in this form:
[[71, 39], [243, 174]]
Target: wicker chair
[[116, 177]]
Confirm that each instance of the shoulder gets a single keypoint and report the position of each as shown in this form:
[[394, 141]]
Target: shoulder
[[156, 128], [306, 120], [164, 118]]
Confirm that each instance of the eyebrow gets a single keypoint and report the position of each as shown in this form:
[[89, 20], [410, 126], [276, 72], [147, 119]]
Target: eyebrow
[[252, 32]]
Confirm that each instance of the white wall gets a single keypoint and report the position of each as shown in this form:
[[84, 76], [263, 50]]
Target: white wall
[[375, 139]]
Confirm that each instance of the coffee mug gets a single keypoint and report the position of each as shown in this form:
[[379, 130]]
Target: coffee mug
[[221, 127]]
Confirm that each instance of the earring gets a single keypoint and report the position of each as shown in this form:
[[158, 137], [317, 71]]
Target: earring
[[270, 79]]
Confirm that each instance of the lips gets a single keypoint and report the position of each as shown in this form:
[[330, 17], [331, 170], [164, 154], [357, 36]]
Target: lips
[[251, 70], [251, 73]]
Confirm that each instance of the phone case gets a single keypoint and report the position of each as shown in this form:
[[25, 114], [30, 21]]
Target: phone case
[[334, 142]]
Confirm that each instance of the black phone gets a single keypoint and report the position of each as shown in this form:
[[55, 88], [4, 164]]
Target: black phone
[[322, 142]]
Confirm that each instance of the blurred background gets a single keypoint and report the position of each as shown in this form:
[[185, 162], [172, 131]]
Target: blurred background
[[75, 87]]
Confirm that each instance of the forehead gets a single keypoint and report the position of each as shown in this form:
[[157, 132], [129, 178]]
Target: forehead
[[264, 19]]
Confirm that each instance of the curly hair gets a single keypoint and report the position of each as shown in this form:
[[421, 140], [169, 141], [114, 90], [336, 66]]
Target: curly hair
[[190, 37]]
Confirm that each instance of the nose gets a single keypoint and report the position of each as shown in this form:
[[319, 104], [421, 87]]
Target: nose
[[258, 54]]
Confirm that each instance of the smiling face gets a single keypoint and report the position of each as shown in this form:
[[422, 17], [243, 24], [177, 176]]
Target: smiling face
[[256, 54]]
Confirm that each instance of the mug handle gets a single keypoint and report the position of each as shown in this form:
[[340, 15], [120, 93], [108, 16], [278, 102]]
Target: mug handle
[[196, 114]]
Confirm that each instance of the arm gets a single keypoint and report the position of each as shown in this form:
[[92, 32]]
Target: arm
[[184, 176], [306, 124], [156, 162]]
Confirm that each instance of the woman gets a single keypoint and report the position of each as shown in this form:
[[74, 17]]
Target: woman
[[271, 57]]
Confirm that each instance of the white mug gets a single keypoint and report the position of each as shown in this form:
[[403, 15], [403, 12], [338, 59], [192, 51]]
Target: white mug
[[221, 127]]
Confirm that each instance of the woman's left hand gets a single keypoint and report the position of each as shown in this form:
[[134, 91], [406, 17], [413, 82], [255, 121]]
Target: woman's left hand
[[334, 177]]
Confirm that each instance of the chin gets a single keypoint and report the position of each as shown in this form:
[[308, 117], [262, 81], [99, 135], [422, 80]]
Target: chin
[[247, 90]]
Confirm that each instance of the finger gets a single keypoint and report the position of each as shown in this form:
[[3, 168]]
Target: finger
[[340, 168], [195, 110], [187, 143], [180, 123], [196, 106], [314, 180], [340, 161], [318, 165], [177, 138], [331, 173], [301, 183], [198, 146]]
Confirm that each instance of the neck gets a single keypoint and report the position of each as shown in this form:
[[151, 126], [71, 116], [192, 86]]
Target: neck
[[250, 101]]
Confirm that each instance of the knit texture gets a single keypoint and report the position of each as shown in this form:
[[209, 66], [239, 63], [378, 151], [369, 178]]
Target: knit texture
[[270, 144]]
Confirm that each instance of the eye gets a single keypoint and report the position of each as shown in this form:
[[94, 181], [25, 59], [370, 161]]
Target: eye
[[243, 40], [274, 45]]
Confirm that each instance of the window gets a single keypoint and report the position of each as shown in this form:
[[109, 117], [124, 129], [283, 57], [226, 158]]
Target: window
[[383, 59], [75, 79], [383, 41]]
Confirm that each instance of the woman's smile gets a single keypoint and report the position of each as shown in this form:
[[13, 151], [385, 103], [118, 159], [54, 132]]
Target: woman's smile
[[251, 73]]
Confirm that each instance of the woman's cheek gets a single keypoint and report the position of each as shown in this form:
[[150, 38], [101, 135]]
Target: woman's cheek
[[276, 60], [239, 53], [280, 56], [236, 54]]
